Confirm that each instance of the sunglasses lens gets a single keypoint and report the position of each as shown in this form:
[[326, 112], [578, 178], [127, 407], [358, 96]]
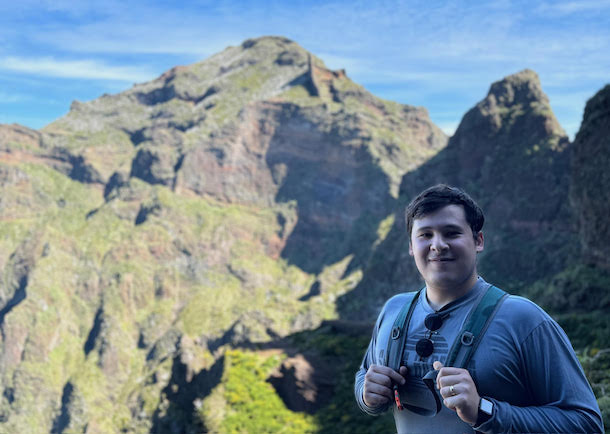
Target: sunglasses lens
[[424, 347], [433, 322]]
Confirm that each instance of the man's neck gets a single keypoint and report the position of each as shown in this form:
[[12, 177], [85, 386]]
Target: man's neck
[[439, 297]]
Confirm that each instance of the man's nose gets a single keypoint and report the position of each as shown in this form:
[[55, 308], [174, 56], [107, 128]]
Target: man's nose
[[438, 243]]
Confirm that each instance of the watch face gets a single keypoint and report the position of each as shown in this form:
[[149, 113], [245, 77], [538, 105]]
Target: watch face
[[486, 406]]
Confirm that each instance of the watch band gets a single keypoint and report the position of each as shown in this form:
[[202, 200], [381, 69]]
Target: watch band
[[486, 409]]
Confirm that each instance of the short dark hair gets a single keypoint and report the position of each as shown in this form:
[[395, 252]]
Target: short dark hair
[[439, 196]]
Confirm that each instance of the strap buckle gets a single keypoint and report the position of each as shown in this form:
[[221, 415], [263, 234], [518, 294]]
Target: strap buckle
[[467, 338], [395, 333]]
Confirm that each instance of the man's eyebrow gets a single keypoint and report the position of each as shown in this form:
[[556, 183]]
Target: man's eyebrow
[[450, 226]]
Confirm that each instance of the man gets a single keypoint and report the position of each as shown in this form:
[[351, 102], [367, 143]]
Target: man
[[523, 376]]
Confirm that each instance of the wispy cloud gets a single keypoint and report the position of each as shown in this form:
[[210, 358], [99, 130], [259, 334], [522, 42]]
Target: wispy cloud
[[12, 97], [572, 7], [143, 35], [80, 69]]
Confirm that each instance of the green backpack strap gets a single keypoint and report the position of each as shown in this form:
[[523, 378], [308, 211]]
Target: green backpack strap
[[475, 327], [395, 350], [398, 336], [469, 337]]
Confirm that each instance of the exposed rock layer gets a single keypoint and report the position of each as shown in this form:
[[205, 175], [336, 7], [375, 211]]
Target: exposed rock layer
[[591, 178]]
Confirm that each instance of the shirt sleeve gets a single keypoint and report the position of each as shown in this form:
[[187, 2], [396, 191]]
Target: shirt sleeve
[[563, 399], [367, 361]]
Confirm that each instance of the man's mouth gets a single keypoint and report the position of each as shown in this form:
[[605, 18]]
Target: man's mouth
[[440, 259]]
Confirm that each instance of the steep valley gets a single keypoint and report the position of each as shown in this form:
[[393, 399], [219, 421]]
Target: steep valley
[[207, 252]]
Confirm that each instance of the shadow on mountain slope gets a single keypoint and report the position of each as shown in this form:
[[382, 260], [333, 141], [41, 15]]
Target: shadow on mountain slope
[[341, 194], [177, 410]]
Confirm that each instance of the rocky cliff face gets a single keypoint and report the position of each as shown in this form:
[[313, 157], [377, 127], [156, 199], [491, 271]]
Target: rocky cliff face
[[590, 179], [259, 124], [511, 154]]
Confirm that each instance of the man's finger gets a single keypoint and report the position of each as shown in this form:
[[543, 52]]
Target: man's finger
[[373, 399], [389, 372], [377, 378], [437, 366], [448, 380], [451, 403], [450, 371], [447, 391], [378, 389]]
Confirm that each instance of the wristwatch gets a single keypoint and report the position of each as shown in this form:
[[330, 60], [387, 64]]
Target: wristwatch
[[486, 410]]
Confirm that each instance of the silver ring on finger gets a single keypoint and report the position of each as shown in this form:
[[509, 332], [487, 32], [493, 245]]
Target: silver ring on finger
[[452, 390]]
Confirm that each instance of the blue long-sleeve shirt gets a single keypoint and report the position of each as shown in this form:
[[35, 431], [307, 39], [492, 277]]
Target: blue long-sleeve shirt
[[525, 364]]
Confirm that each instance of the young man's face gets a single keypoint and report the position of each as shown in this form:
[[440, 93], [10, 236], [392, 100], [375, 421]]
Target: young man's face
[[445, 250]]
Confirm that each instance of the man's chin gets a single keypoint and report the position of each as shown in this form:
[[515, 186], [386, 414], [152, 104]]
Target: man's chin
[[448, 282]]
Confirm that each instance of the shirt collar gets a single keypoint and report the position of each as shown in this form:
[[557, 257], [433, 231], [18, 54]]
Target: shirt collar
[[479, 286]]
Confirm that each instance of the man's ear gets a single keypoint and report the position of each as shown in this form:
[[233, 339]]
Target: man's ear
[[479, 242], [410, 249]]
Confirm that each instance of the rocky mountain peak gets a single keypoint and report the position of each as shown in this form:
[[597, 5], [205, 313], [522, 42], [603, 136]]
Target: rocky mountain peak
[[515, 106], [509, 153], [215, 89], [267, 65], [521, 88]]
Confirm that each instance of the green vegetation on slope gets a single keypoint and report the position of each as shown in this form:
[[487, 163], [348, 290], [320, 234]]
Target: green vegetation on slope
[[248, 402], [245, 401]]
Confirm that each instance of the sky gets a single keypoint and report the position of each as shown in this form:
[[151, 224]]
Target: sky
[[442, 55]]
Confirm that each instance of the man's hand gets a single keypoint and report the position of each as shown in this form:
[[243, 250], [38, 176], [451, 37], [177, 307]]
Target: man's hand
[[378, 384], [463, 396]]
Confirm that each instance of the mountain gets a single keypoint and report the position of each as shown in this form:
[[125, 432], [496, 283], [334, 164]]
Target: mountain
[[260, 124], [511, 155], [227, 202], [207, 251]]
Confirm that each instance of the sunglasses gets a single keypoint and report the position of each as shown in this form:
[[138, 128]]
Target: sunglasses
[[434, 321]]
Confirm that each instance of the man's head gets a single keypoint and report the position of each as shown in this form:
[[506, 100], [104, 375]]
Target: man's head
[[445, 236], [438, 196]]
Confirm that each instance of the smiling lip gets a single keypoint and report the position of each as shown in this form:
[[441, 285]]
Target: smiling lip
[[441, 259]]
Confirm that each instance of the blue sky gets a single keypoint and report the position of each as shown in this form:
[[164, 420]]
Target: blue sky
[[442, 55]]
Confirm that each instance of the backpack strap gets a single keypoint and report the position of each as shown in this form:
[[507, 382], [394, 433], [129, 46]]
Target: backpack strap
[[395, 350], [474, 328], [469, 337], [398, 336]]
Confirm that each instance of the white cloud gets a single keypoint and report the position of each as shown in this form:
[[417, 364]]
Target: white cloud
[[81, 69]]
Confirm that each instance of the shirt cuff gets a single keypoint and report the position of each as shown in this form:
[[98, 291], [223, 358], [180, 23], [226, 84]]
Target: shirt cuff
[[373, 411]]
